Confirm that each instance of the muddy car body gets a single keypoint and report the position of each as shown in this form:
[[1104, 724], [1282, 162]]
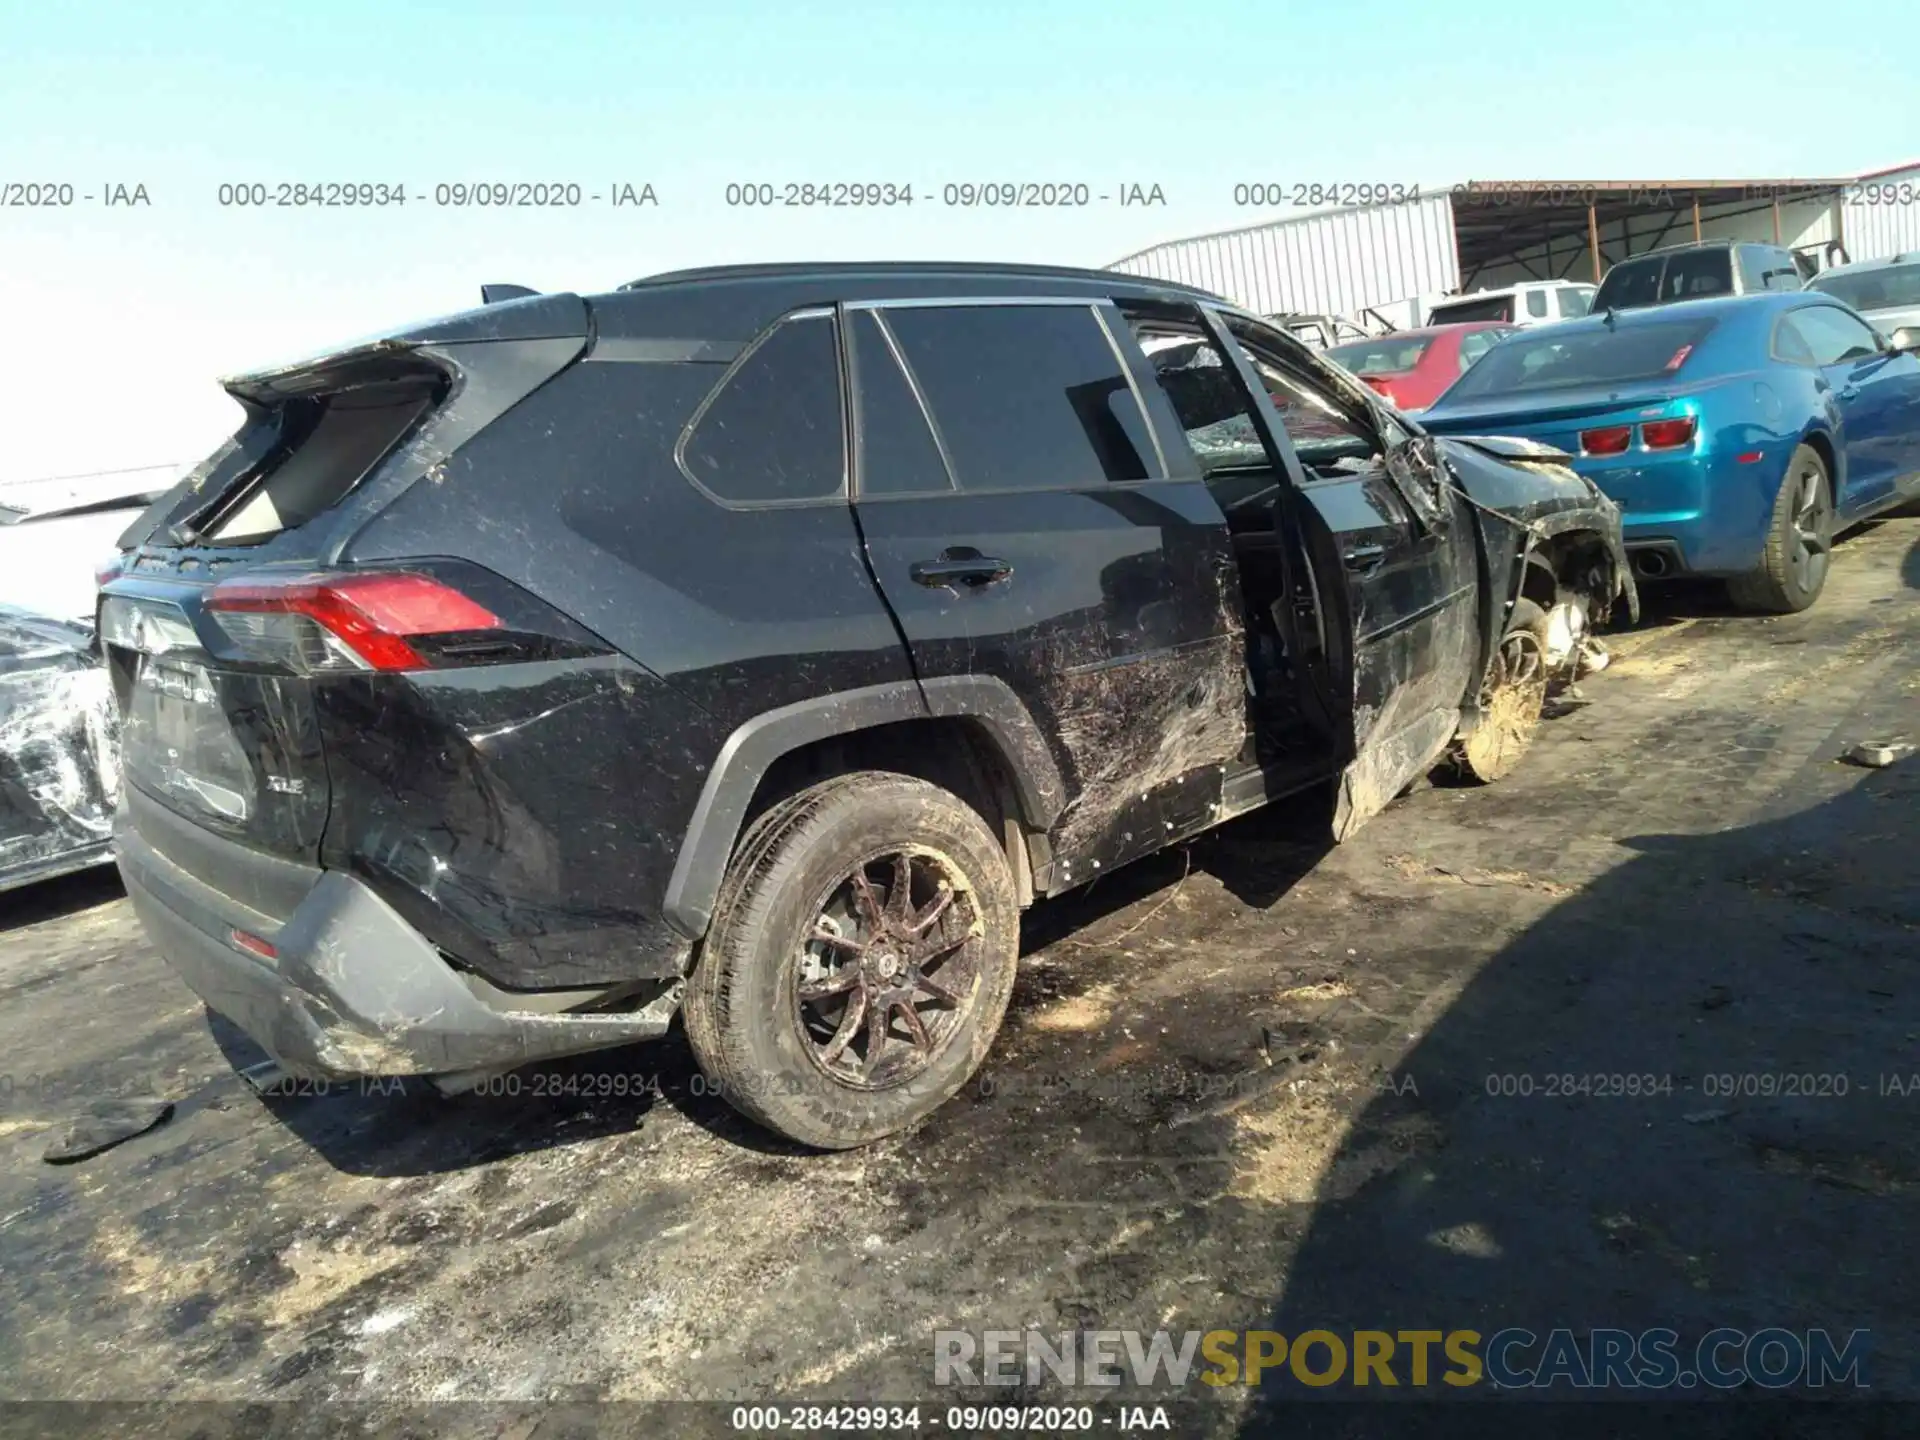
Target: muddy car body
[[753, 643]]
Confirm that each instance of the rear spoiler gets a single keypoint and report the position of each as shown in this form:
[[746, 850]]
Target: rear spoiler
[[526, 317]]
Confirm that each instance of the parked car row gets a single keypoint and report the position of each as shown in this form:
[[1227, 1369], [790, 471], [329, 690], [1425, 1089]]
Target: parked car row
[[1737, 434], [1738, 406]]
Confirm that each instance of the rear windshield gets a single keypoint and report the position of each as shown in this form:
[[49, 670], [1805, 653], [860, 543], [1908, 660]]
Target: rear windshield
[[1385, 356], [1494, 307], [347, 435], [1655, 279], [1558, 360], [1897, 287], [294, 460]]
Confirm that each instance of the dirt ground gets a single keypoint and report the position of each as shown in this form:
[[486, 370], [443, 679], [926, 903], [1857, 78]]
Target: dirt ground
[[1244, 1084]]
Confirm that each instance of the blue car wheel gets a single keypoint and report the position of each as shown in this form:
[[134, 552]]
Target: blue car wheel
[[1799, 547]]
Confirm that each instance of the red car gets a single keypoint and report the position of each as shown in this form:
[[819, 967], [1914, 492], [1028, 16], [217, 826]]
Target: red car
[[1412, 367]]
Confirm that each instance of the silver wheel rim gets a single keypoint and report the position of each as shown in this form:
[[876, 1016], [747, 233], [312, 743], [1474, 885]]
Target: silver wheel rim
[[1812, 539]]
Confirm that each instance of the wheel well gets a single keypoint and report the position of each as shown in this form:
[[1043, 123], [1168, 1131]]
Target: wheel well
[[949, 751], [1818, 442], [1577, 562], [1541, 582]]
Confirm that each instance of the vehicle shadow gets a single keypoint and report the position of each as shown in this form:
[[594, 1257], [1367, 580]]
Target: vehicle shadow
[[405, 1127], [1664, 1105], [1910, 567], [59, 897], [1668, 602]]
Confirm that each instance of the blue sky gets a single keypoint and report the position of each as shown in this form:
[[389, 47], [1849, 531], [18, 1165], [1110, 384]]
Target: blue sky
[[120, 319]]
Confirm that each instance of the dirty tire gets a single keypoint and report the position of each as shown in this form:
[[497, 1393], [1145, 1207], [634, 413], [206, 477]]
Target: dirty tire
[[1511, 702], [769, 1050], [1799, 548]]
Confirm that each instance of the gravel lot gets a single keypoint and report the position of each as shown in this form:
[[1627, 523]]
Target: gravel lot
[[1243, 1084]]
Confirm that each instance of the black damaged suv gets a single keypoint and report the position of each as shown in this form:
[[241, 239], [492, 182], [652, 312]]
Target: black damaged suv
[[753, 643]]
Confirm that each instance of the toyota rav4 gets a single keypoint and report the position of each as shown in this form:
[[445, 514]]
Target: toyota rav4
[[752, 644]]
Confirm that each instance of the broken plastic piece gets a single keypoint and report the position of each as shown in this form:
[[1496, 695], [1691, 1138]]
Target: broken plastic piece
[[1878, 754], [105, 1125]]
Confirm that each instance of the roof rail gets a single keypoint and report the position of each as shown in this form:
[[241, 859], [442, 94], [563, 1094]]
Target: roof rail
[[800, 270]]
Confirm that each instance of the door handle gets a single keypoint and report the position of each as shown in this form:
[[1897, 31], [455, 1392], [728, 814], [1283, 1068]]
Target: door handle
[[1364, 557], [967, 569]]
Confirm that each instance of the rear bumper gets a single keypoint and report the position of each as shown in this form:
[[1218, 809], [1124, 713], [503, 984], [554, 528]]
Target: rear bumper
[[353, 990], [1705, 514]]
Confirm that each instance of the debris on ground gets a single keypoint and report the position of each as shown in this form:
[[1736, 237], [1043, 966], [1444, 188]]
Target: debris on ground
[[1878, 754], [105, 1124]]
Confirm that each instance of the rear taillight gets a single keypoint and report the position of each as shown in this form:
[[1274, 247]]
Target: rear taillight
[[107, 569], [1667, 434], [1607, 440], [342, 622]]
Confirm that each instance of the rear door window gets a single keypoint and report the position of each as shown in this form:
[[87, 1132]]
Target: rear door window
[[1537, 304], [1024, 397], [897, 453], [771, 432]]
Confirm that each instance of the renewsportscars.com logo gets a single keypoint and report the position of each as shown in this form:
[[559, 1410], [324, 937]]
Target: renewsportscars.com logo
[[1509, 1359]]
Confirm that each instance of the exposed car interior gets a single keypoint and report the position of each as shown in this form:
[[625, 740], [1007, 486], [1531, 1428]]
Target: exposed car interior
[[1281, 545]]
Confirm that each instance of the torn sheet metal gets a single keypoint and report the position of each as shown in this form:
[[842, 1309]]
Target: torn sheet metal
[[59, 749]]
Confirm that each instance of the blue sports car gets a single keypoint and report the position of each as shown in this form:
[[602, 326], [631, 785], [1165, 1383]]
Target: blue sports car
[[1736, 434]]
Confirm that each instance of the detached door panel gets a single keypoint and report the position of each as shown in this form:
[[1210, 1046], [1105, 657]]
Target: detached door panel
[[1019, 521]]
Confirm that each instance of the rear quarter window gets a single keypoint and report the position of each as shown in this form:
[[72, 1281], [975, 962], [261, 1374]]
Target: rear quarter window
[[771, 432]]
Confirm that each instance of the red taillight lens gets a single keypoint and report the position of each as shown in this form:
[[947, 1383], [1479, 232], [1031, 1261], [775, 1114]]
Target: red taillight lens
[[342, 622], [1667, 434], [107, 569], [254, 944], [1607, 440]]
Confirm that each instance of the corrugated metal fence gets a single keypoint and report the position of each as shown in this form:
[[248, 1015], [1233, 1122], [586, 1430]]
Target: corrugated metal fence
[[1332, 262], [1881, 215]]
